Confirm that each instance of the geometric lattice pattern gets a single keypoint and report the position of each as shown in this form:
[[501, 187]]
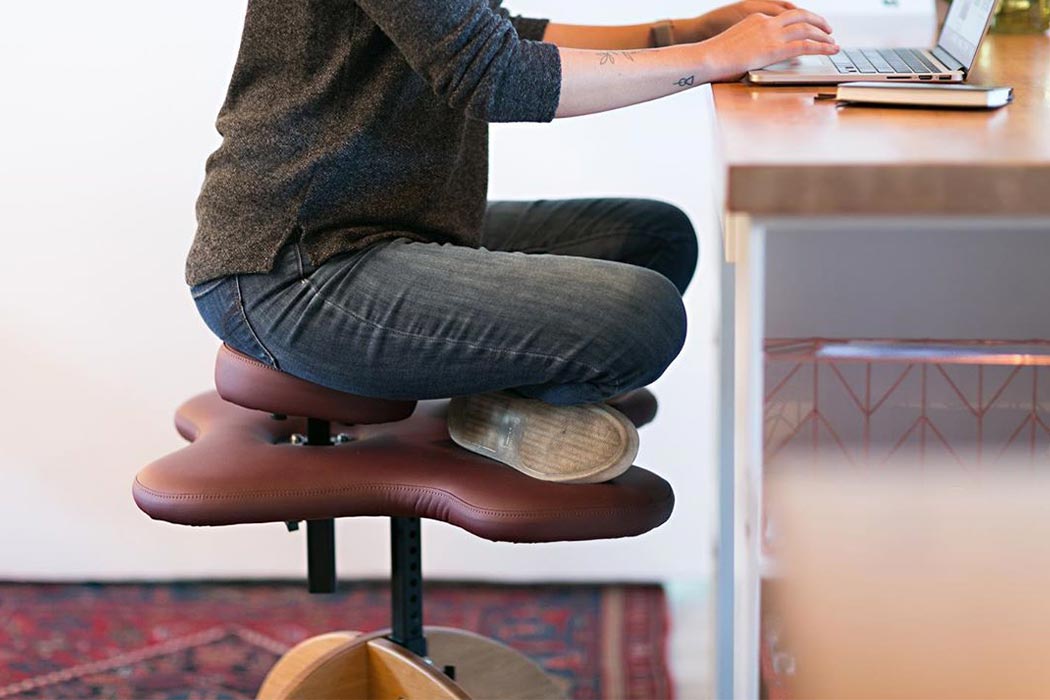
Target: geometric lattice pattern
[[973, 403], [216, 641]]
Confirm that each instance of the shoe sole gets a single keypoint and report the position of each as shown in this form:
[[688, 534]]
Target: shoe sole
[[566, 444]]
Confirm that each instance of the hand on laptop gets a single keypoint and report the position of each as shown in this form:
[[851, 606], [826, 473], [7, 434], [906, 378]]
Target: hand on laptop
[[717, 21], [761, 39]]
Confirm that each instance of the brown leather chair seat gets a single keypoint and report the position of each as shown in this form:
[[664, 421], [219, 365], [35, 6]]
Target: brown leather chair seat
[[245, 381], [242, 467]]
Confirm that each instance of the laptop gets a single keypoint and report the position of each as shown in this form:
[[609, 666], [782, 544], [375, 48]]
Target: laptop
[[949, 61]]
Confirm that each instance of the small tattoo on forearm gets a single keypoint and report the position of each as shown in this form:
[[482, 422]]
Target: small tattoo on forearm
[[686, 82], [611, 56]]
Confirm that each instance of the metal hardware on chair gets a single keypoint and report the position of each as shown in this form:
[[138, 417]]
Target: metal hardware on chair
[[406, 584], [320, 534], [320, 555], [318, 432]]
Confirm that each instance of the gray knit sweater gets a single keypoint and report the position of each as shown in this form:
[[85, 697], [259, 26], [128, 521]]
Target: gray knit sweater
[[353, 122]]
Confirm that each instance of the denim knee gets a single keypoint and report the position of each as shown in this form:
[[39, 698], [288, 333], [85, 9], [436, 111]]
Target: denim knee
[[649, 341], [678, 238]]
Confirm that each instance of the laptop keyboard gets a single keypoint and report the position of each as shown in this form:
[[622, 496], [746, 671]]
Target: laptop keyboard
[[883, 61]]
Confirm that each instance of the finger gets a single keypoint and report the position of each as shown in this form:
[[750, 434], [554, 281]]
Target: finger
[[808, 47], [795, 16], [773, 8], [795, 32]]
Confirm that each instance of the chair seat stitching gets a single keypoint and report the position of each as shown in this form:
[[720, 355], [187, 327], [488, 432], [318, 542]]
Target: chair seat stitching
[[428, 490]]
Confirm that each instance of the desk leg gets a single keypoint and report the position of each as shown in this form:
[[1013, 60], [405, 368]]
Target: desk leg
[[724, 565], [740, 464], [749, 371]]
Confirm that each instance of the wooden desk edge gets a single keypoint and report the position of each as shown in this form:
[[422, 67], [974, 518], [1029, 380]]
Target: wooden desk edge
[[887, 189]]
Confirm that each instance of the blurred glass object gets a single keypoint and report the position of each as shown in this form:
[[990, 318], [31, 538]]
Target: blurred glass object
[[910, 583], [1022, 17]]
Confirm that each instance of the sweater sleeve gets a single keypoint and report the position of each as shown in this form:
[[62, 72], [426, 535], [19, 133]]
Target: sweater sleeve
[[530, 27], [472, 57]]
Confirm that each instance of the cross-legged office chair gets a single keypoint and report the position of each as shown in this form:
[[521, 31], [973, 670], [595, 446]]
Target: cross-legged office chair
[[270, 447]]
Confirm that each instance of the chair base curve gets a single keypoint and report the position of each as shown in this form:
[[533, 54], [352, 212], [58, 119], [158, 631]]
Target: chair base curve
[[354, 666]]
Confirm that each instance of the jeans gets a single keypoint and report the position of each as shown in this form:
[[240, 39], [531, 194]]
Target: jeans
[[570, 301]]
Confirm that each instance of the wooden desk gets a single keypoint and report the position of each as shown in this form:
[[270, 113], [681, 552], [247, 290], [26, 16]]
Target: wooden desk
[[789, 155], [792, 162]]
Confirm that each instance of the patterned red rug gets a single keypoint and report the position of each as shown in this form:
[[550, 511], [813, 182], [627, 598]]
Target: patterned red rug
[[216, 641]]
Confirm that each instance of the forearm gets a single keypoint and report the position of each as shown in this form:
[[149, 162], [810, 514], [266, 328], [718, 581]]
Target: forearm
[[598, 81], [623, 37]]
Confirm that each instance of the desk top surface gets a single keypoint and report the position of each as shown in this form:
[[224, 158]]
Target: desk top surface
[[787, 154]]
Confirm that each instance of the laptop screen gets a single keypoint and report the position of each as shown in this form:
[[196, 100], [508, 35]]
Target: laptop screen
[[964, 28]]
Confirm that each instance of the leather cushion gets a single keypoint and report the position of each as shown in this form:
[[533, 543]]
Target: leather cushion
[[245, 381], [241, 469], [640, 406]]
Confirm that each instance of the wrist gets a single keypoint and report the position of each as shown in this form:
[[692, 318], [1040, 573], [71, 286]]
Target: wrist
[[710, 63]]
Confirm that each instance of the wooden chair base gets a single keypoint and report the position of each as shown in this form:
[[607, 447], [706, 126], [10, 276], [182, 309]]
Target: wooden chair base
[[354, 666]]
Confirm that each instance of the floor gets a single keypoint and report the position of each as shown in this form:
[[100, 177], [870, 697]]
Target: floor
[[218, 639]]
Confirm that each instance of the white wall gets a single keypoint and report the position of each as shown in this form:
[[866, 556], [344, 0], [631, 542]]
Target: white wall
[[106, 117]]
